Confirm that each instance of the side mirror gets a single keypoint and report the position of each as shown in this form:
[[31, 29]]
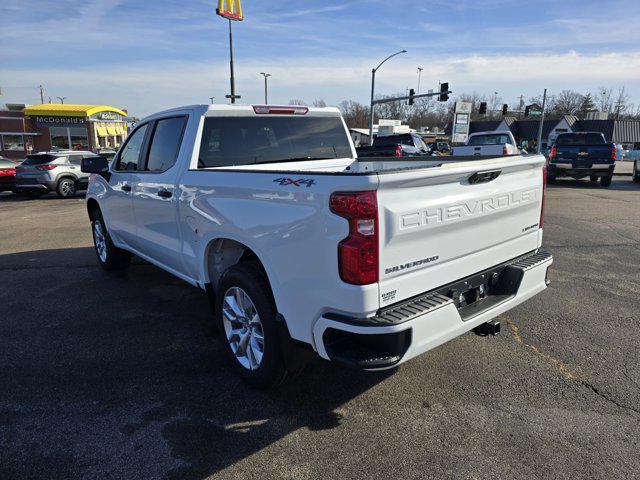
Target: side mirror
[[99, 165]]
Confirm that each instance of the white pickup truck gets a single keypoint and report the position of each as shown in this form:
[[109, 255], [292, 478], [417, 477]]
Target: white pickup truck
[[306, 250], [488, 144]]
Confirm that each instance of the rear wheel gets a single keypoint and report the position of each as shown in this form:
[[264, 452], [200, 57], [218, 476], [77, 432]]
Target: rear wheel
[[636, 173], [605, 181], [66, 188], [247, 322], [109, 256]]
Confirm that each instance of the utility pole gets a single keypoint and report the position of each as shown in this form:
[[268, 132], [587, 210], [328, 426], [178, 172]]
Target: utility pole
[[544, 102], [419, 75], [42, 94], [373, 85], [265, 75], [62, 99]]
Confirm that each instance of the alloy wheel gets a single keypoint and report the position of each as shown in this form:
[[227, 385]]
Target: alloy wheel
[[243, 328], [100, 241]]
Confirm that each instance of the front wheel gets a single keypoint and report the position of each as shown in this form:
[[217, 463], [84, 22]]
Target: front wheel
[[636, 173], [109, 256], [605, 181], [66, 188], [247, 322]]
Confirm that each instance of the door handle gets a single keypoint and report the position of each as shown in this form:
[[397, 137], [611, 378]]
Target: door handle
[[126, 188], [164, 193]]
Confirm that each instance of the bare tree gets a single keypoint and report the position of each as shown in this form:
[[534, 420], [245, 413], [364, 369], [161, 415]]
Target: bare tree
[[567, 102], [319, 103], [355, 114], [621, 106], [297, 101], [604, 99]]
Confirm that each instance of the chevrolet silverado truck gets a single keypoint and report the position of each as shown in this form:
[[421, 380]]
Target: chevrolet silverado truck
[[488, 144], [582, 154], [306, 250]]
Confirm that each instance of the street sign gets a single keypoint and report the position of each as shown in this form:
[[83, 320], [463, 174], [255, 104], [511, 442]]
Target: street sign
[[461, 119], [230, 9], [533, 110]]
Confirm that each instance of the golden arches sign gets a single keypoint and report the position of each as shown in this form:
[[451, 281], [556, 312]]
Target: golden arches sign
[[230, 9]]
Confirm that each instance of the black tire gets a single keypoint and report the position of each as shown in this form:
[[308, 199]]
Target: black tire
[[114, 258], [551, 179], [67, 188], [605, 181], [636, 172], [593, 178], [250, 278]]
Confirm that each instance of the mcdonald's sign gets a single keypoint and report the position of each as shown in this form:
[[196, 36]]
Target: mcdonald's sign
[[230, 9]]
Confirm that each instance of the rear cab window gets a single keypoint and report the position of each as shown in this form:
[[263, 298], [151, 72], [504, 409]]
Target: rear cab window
[[493, 139], [247, 140], [580, 139]]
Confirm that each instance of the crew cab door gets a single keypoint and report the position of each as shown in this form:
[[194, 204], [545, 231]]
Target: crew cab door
[[118, 202], [155, 194]]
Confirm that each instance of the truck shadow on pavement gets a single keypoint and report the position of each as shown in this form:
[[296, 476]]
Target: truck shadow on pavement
[[122, 375], [618, 183]]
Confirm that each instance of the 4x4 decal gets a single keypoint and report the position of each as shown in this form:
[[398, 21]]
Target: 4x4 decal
[[298, 183]]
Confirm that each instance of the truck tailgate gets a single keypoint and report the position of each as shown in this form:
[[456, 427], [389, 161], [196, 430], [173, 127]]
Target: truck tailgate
[[443, 224]]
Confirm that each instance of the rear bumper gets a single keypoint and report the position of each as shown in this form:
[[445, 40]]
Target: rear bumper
[[406, 330], [568, 170], [35, 184]]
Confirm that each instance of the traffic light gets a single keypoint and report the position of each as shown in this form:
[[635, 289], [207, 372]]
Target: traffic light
[[412, 92], [444, 92], [483, 108], [526, 110], [505, 108]]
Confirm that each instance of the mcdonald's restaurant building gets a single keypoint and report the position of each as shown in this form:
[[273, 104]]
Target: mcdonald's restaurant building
[[60, 127]]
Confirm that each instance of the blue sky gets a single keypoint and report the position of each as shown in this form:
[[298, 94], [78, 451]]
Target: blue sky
[[145, 56]]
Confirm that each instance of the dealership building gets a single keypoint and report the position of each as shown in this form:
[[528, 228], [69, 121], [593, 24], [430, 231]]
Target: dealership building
[[25, 129]]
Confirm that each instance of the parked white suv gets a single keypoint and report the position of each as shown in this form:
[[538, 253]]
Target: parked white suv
[[305, 249]]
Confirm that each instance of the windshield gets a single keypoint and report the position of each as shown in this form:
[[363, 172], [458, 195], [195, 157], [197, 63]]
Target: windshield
[[492, 139], [581, 139], [231, 141]]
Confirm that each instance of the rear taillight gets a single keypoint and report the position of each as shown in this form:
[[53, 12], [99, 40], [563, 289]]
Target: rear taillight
[[614, 153], [544, 189], [358, 252], [553, 153], [505, 151], [8, 172], [46, 167], [398, 152]]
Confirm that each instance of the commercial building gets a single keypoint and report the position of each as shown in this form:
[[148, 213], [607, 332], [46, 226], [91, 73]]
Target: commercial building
[[49, 126], [624, 132]]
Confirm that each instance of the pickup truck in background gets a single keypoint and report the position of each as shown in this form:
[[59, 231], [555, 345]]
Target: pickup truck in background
[[306, 250], [397, 145], [488, 144], [582, 154]]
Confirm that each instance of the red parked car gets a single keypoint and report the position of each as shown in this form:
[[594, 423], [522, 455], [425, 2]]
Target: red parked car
[[7, 175]]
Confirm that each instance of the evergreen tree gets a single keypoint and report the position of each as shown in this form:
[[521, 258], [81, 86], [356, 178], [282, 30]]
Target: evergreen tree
[[587, 104]]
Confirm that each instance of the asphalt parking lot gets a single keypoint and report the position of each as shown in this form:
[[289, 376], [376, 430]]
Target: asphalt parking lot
[[120, 375]]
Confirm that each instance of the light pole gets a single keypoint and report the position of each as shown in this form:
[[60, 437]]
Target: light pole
[[373, 84], [62, 99], [265, 75], [419, 75], [212, 99]]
